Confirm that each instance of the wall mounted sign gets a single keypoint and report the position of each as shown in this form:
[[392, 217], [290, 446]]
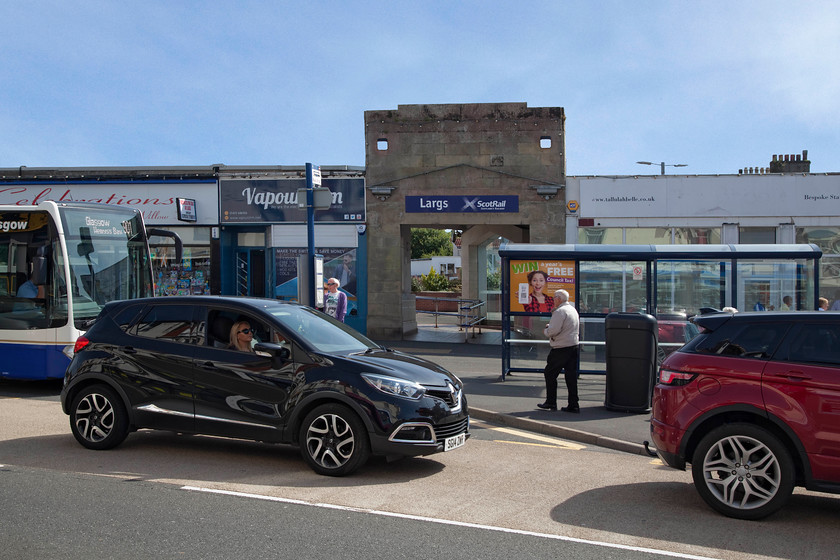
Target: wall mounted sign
[[276, 201], [186, 210], [157, 200], [470, 204]]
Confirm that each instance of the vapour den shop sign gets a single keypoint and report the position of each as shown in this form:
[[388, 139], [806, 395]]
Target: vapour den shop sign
[[473, 204]]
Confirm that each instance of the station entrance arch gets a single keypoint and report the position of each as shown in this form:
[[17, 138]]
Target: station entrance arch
[[490, 170]]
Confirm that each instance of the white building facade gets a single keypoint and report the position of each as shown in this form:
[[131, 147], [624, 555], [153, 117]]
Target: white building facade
[[711, 209]]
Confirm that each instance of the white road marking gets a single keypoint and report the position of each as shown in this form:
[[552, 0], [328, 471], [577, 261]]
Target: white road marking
[[447, 522]]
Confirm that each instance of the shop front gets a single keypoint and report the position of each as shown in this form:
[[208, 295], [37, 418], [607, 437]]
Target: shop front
[[263, 237], [186, 206]]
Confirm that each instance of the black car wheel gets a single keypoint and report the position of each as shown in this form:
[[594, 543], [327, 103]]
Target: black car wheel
[[98, 418], [333, 440], [743, 471]]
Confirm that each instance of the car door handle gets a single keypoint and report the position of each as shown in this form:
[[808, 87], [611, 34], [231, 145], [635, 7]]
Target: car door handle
[[794, 375], [129, 350]]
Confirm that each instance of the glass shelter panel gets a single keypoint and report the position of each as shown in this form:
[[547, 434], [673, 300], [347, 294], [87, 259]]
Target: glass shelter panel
[[687, 286], [672, 282], [764, 286], [489, 278], [607, 286], [826, 238], [529, 348]]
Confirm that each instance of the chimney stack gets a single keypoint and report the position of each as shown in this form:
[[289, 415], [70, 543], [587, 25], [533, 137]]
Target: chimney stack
[[790, 163]]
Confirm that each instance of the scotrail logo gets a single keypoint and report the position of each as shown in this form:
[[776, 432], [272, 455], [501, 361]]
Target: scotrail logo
[[11, 225]]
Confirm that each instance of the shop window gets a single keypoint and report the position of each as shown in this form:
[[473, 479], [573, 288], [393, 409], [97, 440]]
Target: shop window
[[601, 236], [696, 236], [826, 238], [757, 235], [190, 276], [648, 236]]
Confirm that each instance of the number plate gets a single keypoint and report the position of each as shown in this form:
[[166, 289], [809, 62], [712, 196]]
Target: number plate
[[454, 442]]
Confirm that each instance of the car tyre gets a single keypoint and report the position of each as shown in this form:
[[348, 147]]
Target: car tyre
[[98, 418], [333, 440], [743, 471]]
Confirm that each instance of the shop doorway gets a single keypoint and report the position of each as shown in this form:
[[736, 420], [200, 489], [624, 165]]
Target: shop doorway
[[250, 272]]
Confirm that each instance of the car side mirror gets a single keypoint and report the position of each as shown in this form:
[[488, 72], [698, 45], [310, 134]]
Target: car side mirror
[[277, 351]]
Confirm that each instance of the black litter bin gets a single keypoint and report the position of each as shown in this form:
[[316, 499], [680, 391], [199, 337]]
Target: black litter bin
[[631, 361]]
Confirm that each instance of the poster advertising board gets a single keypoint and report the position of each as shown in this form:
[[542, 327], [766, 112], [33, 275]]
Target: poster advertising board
[[339, 263], [533, 283]]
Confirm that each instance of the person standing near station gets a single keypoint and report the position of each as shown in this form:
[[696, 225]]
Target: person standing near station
[[335, 302], [562, 332]]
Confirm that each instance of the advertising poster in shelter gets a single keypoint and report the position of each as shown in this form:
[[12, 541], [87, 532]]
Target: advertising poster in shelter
[[533, 283]]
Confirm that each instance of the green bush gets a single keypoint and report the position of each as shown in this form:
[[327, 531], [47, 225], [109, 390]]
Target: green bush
[[434, 282], [494, 280]]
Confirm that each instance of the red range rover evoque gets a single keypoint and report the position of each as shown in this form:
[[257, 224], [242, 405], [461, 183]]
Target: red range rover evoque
[[753, 404]]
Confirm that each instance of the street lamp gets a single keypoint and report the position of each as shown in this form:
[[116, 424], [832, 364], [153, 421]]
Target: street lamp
[[663, 164]]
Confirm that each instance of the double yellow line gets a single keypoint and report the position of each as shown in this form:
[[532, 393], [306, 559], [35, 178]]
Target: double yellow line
[[545, 441]]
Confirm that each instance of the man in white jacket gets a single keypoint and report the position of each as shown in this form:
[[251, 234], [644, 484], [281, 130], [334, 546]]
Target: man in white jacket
[[562, 333]]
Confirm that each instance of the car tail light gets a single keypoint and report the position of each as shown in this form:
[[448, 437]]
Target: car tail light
[[671, 377], [81, 342]]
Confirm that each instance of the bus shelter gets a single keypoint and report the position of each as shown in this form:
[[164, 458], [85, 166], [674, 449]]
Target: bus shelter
[[670, 282]]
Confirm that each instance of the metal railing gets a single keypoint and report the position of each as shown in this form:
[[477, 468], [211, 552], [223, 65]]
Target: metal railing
[[470, 313]]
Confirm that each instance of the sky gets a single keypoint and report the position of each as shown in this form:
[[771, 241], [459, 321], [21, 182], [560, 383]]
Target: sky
[[715, 85]]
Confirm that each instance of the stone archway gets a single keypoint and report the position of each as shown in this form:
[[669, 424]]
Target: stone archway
[[431, 153]]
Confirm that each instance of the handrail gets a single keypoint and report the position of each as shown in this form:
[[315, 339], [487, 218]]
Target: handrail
[[468, 316]]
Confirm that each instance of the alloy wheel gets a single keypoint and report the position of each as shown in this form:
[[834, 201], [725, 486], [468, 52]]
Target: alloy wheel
[[95, 417], [330, 441], [743, 471]]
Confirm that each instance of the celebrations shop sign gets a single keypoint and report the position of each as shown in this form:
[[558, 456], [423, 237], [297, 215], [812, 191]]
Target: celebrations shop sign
[[529, 278]]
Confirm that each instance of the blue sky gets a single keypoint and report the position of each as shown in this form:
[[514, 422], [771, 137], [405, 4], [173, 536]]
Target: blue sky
[[716, 85]]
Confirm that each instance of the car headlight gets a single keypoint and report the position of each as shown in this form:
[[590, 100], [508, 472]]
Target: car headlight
[[395, 386]]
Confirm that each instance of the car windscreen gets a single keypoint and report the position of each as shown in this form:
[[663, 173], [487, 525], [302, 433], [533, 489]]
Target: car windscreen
[[321, 332]]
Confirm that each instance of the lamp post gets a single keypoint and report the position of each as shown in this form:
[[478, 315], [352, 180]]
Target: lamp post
[[663, 164]]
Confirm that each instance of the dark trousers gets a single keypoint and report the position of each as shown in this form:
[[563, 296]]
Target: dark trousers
[[561, 359]]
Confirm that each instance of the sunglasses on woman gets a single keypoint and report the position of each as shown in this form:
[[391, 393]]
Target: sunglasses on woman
[[246, 331]]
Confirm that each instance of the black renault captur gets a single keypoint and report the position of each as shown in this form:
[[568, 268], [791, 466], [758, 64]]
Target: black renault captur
[[258, 369]]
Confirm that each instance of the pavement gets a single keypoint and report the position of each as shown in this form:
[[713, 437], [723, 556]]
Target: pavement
[[476, 358]]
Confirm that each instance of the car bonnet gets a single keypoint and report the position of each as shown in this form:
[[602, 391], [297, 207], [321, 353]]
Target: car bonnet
[[401, 365]]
